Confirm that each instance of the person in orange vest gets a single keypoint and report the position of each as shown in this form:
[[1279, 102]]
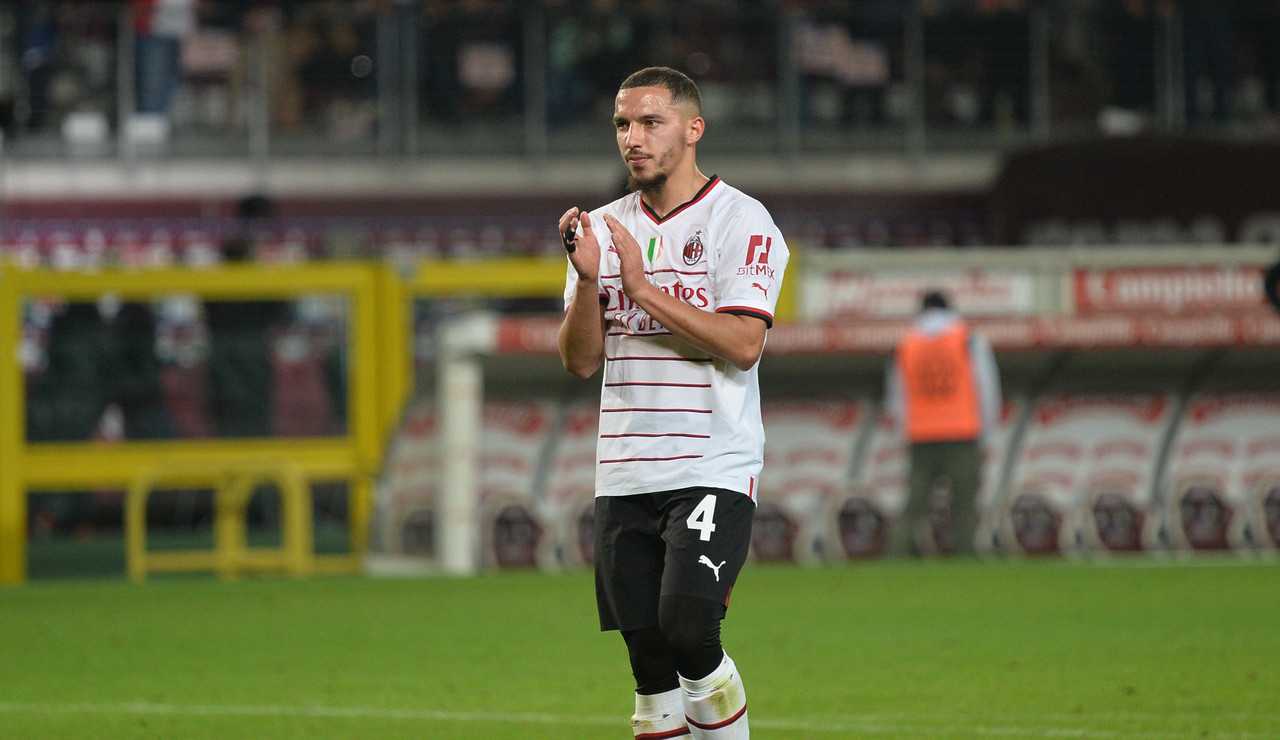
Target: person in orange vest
[[942, 389]]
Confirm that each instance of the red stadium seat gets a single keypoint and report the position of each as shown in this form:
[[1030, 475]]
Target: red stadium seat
[[1224, 472], [807, 467], [1085, 474]]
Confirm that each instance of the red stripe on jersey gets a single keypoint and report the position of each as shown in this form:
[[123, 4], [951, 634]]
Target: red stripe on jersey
[[664, 734], [660, 385], [664, 434], [656, 272], [718, 725], [650, 459], [702, 193], [764, 316], [751, 490], [659, 359], [619, 411], [747, 309]]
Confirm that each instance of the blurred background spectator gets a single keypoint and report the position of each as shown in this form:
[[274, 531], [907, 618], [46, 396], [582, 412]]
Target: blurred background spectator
[[134, 370], [399, 76], [241, 389], [160, 27]]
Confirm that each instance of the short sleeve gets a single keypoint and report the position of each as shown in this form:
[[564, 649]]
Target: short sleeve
[[751, 259]]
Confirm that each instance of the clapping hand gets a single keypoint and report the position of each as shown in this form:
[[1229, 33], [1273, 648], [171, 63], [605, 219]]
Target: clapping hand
[[630, 258], [585, 252]]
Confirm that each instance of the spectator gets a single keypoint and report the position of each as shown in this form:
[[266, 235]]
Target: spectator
[[240, 370], [1130, 31], [75, 379], [38, 40], [68, 405], [943, 392], [161, 26], [135, 374], [1209, 51]]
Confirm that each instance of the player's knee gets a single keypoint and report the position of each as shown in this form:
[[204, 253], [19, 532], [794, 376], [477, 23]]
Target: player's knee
[[690, 625], [653, 663]]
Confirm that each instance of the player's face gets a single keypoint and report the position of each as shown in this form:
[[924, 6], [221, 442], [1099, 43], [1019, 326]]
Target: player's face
[[654, 135]]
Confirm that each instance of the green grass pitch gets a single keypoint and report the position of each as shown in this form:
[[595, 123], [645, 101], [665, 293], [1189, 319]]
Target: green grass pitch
[[1130, 649]]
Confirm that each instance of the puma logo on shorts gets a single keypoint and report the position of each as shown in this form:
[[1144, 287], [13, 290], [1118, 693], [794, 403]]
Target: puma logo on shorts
[[704, 560]]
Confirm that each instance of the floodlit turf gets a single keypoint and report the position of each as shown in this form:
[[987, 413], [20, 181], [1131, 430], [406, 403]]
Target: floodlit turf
[[938, 650]]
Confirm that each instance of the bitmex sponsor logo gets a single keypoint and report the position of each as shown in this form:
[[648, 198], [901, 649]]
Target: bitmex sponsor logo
[[757, 264], [1172, 290]]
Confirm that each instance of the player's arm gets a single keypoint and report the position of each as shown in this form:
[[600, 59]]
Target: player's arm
[[581, 338], [738, 339]]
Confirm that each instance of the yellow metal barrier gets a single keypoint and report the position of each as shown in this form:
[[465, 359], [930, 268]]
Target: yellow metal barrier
[[516, 277], [233, 488], [13, 508], [354, 457]]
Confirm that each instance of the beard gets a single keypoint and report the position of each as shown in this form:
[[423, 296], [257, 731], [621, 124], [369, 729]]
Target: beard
[[650, 185]]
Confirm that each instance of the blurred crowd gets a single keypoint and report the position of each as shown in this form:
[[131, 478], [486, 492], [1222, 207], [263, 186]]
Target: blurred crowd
[[197, 62]]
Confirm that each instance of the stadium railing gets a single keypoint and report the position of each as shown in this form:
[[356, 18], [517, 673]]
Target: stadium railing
[[234, 487], [353, 457]]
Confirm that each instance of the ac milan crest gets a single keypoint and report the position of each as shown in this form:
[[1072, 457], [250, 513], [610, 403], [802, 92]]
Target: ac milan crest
[[693, 249]]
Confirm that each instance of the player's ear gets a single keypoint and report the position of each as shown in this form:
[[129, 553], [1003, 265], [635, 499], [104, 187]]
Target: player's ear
[[693, 132]]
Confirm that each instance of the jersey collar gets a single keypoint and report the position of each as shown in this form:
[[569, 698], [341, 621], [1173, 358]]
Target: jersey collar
[[702, 193]]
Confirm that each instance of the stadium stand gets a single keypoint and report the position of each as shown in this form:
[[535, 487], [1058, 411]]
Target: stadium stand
[[1085, 473], [995, 463], [859, 521], [1224, 473], [570, 487], [512, 525], [301, 401], [808, 464], [405, 518]]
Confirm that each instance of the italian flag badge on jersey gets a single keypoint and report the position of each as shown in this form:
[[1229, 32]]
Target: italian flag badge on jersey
[[653, 250]]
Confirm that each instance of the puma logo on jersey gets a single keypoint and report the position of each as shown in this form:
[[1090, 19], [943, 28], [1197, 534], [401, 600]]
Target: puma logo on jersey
[[761, 288], [704, 560]]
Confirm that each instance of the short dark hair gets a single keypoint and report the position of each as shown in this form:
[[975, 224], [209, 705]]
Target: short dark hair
[[682, 89], [934, 298]]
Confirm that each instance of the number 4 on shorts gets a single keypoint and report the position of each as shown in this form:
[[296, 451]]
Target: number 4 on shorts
[[702, 518]]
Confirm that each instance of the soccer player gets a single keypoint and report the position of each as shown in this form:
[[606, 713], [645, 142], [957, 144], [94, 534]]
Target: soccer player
[[672, 288]]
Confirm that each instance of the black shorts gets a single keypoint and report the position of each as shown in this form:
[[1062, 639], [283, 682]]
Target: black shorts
[[691, 542]]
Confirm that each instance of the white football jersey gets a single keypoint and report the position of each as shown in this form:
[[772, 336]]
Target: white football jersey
[[672, 416]]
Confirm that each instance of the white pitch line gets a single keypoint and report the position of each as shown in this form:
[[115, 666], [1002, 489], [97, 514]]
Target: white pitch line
[[868, 725]]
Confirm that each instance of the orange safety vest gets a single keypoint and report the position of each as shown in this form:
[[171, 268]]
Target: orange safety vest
[[937, 380]]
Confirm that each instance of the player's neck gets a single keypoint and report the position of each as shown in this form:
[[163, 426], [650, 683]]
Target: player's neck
[[679, 188]]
